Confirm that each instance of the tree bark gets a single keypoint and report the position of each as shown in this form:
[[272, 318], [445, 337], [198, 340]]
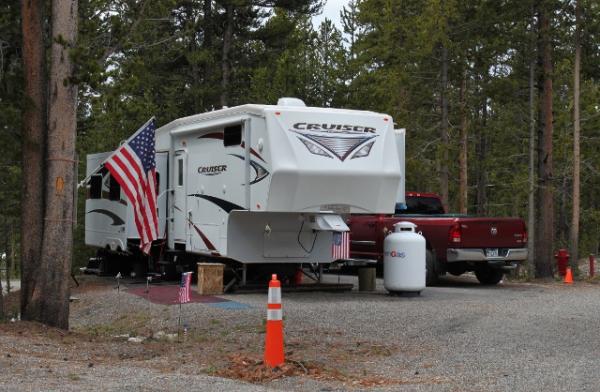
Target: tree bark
[[58, 230], [207, 25], [33, 153], [545, 236], [2, 315], [443, 164], [463, 183], [225, 66], [482, 167], [574, 231], [531, 218]]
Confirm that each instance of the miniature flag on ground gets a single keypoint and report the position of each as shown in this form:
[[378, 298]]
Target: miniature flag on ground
[[340, 249], [133, 165], [184, 287]]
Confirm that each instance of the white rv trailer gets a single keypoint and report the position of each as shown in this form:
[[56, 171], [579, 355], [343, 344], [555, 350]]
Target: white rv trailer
[[257, 184]]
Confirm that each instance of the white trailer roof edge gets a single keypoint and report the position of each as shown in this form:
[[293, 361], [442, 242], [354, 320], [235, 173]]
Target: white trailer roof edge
[[188, 124]]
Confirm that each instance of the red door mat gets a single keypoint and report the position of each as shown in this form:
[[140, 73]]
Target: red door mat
[[169, 295]]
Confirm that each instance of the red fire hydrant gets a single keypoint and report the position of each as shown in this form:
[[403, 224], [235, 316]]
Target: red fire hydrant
[[562, 261]]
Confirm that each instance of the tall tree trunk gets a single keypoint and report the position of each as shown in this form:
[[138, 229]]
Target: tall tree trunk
[[531, 218], [207, 25], [33, 153], [225, 66], [2, 315], [443, 163], [562, 227], [574, 232], [545, 235], [481, 164], [464, 190], [207, 66], [58, 230]]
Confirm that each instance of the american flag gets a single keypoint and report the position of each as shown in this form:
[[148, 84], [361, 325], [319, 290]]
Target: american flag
[[184, 287], [340, 248], [134, 167]]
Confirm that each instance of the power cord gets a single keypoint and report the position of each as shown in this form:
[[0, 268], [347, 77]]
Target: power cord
[[314, 239]]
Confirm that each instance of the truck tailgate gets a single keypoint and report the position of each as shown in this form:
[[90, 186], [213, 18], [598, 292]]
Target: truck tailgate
[[491, 233]]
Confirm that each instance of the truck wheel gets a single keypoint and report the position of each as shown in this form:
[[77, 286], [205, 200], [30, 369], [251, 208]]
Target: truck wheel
[[489, 276], [431, 277]]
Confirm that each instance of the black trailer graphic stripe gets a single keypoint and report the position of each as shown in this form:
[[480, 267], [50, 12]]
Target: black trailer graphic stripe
[[253, 152], [116, 220], [227, 206], [259, 170]]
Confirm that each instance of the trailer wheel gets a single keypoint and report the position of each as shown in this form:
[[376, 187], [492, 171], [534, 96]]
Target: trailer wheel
[[488, 276], [431, 276]]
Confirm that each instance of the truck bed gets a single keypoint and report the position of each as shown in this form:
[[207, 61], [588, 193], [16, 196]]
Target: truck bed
[[456, 243]]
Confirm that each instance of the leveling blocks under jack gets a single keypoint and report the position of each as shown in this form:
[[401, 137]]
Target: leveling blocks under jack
[[274, 337]]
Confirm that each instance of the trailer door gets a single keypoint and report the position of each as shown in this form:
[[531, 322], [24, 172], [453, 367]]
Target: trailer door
[[178, 230]]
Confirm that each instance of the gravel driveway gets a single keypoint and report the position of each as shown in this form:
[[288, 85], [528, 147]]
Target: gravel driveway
[[459, 336]]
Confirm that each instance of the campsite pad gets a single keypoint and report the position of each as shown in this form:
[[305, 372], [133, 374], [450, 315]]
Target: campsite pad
[[169, 295]]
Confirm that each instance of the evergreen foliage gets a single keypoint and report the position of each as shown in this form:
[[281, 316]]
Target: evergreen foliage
[[165, 58]]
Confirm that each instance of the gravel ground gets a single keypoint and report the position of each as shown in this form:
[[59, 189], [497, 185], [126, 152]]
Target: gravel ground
[[459, 336]]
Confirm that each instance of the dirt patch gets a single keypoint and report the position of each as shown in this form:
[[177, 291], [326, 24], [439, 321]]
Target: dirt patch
[[213, 346], [252, 369]]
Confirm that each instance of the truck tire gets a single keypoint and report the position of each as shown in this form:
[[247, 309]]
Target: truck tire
[[431, 276], [488, 276]]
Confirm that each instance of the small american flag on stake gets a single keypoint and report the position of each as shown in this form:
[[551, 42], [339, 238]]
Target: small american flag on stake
[[184, 287], [340, 248], [133, 165]]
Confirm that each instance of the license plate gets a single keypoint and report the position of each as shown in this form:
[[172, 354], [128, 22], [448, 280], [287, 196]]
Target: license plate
[[491, 252]]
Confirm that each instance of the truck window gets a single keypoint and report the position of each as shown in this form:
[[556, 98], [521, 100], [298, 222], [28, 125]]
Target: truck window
[[232, 136], [114, 189], [421, 205], [96, 186]]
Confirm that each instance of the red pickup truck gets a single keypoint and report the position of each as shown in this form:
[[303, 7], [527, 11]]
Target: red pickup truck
[[455, 243]]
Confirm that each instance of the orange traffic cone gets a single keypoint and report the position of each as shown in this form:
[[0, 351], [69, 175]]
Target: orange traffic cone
[[568, 276], [274, 338]]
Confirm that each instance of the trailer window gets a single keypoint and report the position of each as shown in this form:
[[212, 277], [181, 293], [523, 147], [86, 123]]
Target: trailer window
[[232, 136], [114, 189], [96, 186], [180, 172], [157, 175]]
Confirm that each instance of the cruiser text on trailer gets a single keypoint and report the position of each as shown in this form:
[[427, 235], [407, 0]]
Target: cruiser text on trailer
[[253, 185]]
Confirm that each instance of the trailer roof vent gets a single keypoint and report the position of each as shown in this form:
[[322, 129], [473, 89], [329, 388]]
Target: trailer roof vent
[[289, 101]]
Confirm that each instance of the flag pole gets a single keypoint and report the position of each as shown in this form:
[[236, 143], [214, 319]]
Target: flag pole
[[179, 322], [140, 129]]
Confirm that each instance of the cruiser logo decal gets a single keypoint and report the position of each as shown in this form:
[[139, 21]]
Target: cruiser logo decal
[[336, 140], [212, 170], [333, 128]]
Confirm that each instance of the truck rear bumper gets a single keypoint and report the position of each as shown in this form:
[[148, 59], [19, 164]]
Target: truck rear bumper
[[478, 255]]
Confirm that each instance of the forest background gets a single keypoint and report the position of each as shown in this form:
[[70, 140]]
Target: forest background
[[467, 79]]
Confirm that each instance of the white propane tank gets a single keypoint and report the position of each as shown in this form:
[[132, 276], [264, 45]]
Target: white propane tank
[[404, 266]]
